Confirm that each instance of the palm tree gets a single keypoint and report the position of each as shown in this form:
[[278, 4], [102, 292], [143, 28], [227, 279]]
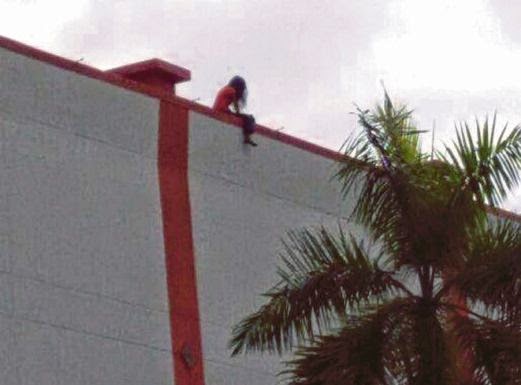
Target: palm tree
[[434, 297]]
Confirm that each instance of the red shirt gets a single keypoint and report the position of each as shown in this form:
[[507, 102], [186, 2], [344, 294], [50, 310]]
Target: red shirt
[[224, 98]]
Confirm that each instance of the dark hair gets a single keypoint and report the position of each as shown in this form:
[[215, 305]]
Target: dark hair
[[239, 85]]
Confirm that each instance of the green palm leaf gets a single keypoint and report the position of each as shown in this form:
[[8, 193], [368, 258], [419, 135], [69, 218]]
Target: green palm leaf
[[354, 355], [321, 277], [491, 274], [388, 345], [487, 166], [495, 347]]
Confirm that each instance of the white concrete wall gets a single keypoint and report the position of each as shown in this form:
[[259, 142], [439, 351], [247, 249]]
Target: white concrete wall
[[83, 295], [243, 201]]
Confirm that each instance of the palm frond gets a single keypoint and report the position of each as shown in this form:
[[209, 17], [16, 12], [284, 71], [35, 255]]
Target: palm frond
[[387, 140], [400, 342], [494, 349], [488, 166], [322, 276], [411, 212], [491, 275], [354, 355], [391, 179]]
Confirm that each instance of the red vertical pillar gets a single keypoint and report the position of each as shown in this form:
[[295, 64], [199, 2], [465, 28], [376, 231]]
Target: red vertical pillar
[[177, 232]]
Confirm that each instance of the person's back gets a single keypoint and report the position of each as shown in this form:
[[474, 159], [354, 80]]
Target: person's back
[[225, 97]]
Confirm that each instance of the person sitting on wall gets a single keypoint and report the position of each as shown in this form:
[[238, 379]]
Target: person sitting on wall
[[235, 94]]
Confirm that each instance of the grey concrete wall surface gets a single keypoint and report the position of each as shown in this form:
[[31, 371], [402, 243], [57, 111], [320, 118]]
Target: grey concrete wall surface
[[83, 296], [243, 201]]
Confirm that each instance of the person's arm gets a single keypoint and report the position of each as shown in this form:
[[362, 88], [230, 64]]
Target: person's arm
[[236, 107]]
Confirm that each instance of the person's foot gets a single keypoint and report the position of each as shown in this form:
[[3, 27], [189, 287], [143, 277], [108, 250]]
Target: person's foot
[[250, 142]]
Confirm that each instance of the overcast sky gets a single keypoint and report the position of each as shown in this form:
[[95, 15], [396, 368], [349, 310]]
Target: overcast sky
[[306, 61]]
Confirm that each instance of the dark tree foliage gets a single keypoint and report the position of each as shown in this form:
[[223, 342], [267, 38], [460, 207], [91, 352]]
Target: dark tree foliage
[[437, 301]]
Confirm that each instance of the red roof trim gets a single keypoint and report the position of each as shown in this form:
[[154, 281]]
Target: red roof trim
[[264, 131], [77, 67], [119, 81]]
